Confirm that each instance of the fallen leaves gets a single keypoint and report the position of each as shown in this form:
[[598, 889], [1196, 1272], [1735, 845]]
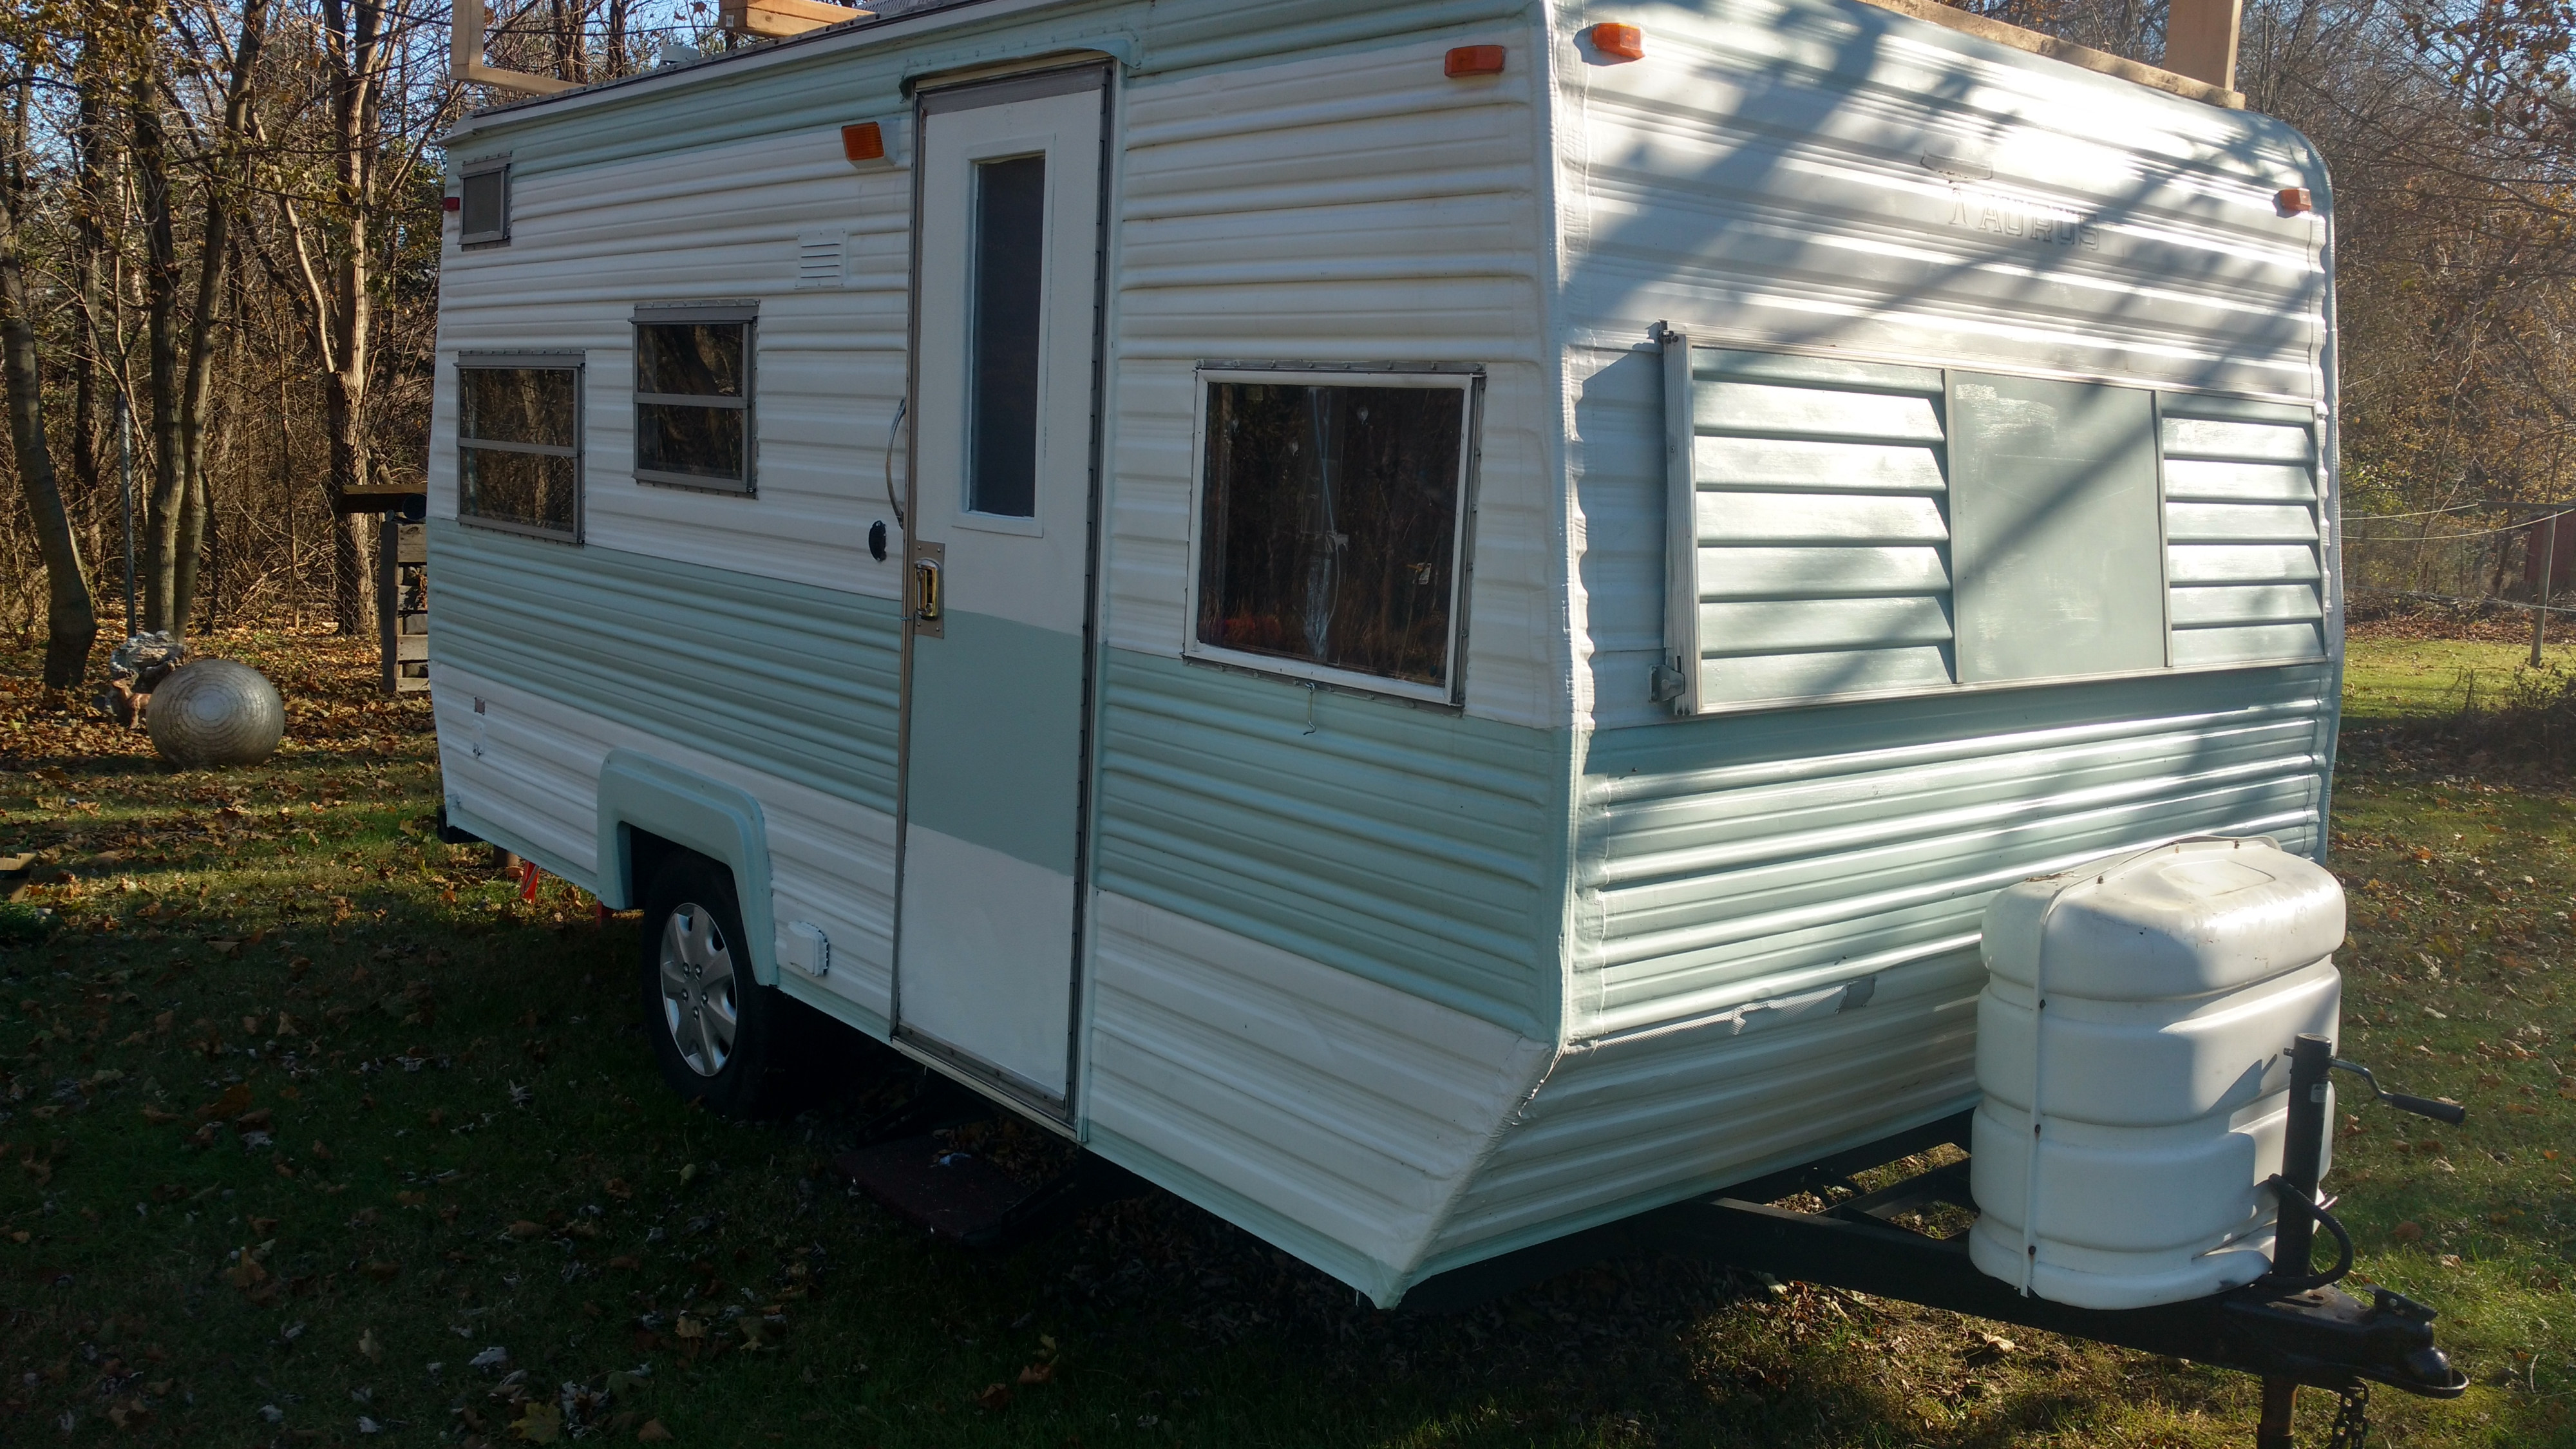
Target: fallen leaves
[[653, 1433], [539, 1422], [234, 1102]]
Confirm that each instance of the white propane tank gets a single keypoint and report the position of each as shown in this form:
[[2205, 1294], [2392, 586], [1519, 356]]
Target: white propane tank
[[2170, 984]]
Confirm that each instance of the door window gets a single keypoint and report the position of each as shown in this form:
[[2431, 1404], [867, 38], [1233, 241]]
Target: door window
[[1006, 297]]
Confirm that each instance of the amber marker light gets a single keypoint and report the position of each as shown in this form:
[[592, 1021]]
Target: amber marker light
[[863, 142], [1469, 60], [1620, 42], [2294, 201]]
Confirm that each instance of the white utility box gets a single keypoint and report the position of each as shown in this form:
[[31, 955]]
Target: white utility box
[[2146, 1004]]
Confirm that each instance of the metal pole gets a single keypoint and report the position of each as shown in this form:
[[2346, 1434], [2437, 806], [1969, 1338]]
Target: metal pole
[[2303, 1150], [2548, 542], [125, 480]]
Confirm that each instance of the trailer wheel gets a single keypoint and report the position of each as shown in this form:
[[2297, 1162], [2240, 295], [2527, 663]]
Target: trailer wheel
[[720, 1036]]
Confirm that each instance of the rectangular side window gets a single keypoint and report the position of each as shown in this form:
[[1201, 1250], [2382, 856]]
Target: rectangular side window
[[483, 212], [518, 442], [1331, 526], [693, 417]]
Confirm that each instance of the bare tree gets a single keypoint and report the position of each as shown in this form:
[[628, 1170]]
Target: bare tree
[[71, 618]]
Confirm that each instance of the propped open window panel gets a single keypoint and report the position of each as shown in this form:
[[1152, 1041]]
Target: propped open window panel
[[1842, 529]]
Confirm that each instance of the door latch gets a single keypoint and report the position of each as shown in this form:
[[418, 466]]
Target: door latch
[[927, 560]]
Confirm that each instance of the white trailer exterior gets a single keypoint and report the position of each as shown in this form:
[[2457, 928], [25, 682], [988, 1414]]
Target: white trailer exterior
[[1403, 977]]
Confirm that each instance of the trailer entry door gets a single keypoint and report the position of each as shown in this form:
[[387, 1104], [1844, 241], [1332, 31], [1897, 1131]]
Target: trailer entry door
[[1007, 286]]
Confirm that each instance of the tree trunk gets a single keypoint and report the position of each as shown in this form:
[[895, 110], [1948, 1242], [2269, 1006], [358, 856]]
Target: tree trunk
[[71, 619], [214, 249], [89, 301], [168, 492], [344, 317], [348, 576]]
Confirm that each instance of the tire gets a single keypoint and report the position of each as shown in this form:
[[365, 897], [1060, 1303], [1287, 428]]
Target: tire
[[720, 1036]]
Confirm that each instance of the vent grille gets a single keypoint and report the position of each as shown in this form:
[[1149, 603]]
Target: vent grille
[[819, 260]]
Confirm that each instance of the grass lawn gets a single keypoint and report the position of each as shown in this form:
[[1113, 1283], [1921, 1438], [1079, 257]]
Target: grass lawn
[[316, 1133], [2391, 675]]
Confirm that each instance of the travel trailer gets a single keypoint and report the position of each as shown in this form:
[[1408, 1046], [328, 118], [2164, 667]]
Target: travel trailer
[[1428, 624]]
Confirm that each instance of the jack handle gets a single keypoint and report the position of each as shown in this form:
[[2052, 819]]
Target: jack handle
[[2449, 1112]]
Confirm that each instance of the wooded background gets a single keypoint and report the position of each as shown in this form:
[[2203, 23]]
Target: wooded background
[[223, 217]]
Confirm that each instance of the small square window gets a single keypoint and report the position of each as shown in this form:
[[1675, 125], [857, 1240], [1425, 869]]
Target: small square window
[[483, 210], [1331, 525], [518, 443], [693, 423]]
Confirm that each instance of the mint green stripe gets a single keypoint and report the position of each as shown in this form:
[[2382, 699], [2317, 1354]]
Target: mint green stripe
[[1417, 848], [788, 679], [997, 738]]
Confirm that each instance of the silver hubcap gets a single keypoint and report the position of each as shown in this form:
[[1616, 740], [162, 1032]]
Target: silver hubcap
[[698, 1005]]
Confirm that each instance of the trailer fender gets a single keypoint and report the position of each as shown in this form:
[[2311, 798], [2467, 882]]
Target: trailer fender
[[719, 821]]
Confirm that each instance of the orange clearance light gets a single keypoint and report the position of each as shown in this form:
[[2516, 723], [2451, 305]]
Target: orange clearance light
[[1620, 42], [863, 142], [2294, 201], [1473, 60]]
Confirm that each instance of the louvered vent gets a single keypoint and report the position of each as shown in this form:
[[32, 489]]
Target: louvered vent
[[1819, 557], [2241, 523], [819, 260]]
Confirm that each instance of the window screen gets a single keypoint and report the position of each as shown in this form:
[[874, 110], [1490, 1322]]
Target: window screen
[[483, 210], [1329, 525], [518, 444], [693, 401]]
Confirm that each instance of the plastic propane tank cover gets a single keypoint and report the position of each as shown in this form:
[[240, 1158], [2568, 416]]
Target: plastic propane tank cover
[[2146, 1005]]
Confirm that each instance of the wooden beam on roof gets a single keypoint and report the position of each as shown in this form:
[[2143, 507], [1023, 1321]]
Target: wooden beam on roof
[[776, 19], [2189, 87], [2200, 40], [465, 58]]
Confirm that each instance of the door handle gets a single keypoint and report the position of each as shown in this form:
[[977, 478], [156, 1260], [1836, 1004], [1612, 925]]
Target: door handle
[[925, 588], [925, 595]]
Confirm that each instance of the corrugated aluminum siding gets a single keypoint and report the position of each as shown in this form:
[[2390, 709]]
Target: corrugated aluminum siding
[[1410, 847], [589, 244], [1826, 176], [1342, 208], [792, 681], [1740, 877]]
